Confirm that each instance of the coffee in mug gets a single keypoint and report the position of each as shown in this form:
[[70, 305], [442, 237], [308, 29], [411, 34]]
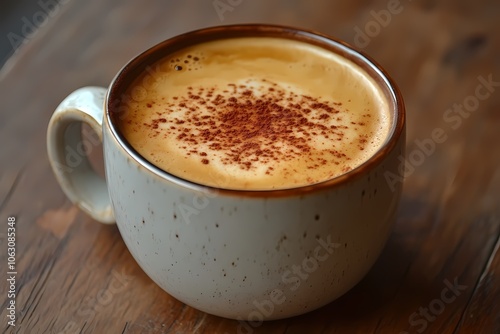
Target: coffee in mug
[[255, 114]]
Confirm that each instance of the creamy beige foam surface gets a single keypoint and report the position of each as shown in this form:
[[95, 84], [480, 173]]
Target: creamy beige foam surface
[[256, 114]]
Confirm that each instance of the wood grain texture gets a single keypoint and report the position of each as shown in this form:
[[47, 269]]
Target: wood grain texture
[[76, 276]]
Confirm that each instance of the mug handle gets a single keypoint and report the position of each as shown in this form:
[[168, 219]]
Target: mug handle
[[67, 152]]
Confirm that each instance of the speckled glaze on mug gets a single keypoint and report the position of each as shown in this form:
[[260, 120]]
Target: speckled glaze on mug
[[248, 255]]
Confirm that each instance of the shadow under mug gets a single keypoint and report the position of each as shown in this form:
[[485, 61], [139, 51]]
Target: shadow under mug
[[251, 255]]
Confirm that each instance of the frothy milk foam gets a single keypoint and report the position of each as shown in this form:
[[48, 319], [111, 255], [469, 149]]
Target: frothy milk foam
[[255, 114]]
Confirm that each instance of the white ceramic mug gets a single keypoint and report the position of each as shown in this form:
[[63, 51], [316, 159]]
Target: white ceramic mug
[[249, 255]]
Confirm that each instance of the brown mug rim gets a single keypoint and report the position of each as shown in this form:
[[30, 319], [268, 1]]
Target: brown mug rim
[[162, 49]]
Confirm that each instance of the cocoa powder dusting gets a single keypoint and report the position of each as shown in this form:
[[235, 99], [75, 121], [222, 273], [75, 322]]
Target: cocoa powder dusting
[[254, 125]]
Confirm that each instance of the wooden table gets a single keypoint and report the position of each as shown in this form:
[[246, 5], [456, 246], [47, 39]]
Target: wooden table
[[440, 271]]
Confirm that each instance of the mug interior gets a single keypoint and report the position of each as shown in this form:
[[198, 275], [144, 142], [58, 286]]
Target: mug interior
[[116, 96]]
